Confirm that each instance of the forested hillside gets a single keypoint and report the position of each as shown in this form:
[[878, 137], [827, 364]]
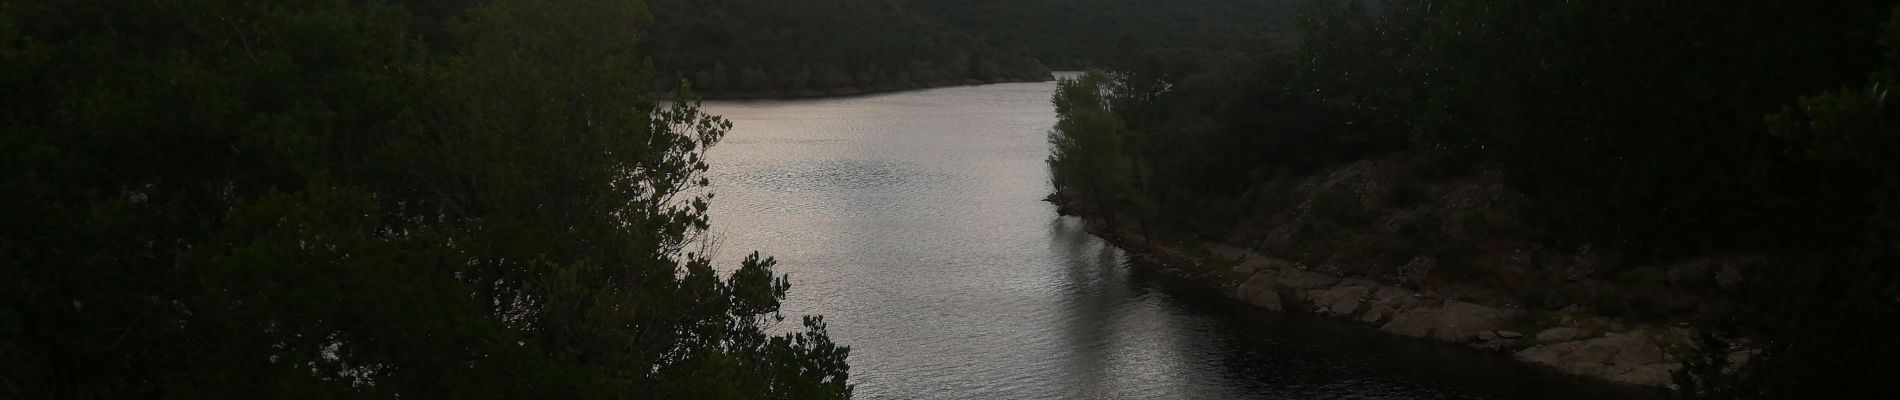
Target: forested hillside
[[773, 47], [1074, 34], [1644, 137], [360, 199], [762, 48]]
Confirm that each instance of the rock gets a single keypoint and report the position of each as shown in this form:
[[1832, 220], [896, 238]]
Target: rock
[[1258, 290], [1245, 262], [1246, 268], [1359, 180], [1603, 350], [1415, 322], [1454, 321], [1553, 355], [1627, 358], [1333, 269], [1376, 315], [1297, 279], [1740, 357], [1647, 375], [1460, 320], [1415, 271], [1342, 300], [1520, 257], [1486, 336], [1268, 299], [1399, 222], [1254, 284], [1638, 352], [1509, 334], [1358, 282], [1228, 252], [1491, 345], [1385, 302], [1465, 199], [1560, 334]]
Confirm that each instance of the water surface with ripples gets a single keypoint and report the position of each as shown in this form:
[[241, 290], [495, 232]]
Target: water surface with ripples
[[913, 222]]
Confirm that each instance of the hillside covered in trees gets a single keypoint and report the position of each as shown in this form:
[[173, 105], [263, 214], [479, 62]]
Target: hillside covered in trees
[[363, 199], [777, 48], [760, 48], [1075, 34], [1727, 164]]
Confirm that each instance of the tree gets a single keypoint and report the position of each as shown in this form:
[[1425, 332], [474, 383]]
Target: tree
[[1088, 157], [1806, 316], [297, 199]]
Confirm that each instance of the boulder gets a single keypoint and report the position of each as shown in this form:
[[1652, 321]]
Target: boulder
[[1486, 336], [1267, 299], [1228, 252], [1638, 352], [1510, 334], [1647, 375], [1342, 300], [1246, 268], [1258, 290], [1249, 264], [1385, 302], [1376, 314], [1560, 334], [1297, 279], [1414, 272], [1253, 285], [1415, 321], [1461, 320], [1359, 282], [1635, 359], [1454, 321], [1554, 355]]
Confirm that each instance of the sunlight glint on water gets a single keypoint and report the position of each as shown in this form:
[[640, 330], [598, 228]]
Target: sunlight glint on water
[[913, 222]]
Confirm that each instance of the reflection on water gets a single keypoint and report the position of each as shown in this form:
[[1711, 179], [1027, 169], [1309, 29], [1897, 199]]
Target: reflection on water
[[913, 221]]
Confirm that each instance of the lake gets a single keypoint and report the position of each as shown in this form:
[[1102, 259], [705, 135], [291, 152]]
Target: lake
[[913, 222]]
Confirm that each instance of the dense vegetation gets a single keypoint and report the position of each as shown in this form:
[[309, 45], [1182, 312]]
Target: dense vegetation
[[1656, 130], [789, 48], [772, 46], [1070, 34], [329, 198]]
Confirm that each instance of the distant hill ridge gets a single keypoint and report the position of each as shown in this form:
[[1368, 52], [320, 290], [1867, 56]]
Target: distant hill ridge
[[768, 48]]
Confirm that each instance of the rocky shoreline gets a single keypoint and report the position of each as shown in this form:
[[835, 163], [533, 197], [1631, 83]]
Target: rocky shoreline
[[1574, 342]]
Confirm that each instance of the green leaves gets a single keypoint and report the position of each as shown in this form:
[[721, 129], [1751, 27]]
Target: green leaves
[[299, 199], [754, 291]]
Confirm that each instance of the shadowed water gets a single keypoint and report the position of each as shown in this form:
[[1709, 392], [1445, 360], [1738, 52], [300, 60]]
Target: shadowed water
[[913, 222]]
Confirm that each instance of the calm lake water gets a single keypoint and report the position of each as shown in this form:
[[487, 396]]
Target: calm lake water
[[913, 222]]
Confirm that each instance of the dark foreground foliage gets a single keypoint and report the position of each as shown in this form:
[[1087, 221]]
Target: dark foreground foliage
[[338, 199]]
